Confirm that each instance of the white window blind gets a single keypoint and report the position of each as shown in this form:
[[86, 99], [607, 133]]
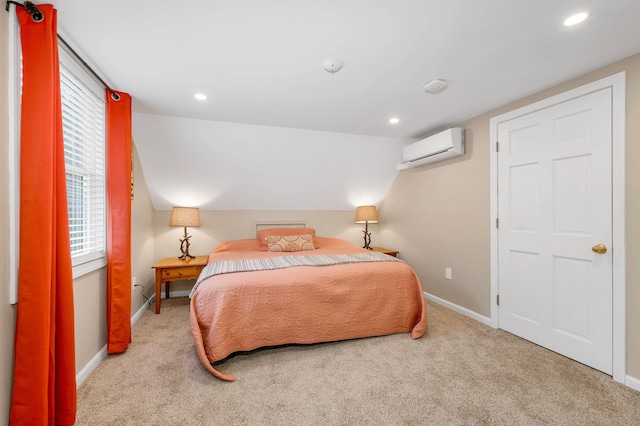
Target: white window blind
[[83, 123]]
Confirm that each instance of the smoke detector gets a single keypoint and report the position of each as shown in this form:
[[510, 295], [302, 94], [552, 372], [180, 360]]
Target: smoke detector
[[332, 65], [435, 86]]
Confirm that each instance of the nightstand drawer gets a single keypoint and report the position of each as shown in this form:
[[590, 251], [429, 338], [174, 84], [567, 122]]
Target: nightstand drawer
[[175, 269], [185, 272]]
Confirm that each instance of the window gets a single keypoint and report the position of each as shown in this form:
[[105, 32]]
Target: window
[[83, 117], [83, 124]]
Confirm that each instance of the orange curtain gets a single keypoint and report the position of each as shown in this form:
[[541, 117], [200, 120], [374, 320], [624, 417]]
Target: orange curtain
[[44, 385], [118, 221]]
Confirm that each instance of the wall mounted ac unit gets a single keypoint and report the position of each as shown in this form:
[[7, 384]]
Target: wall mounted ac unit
[[441, 146]]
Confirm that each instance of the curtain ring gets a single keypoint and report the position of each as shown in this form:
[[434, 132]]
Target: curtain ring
[[115, 96], [36, 15]]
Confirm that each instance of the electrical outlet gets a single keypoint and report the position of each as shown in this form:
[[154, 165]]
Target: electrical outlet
[[447, 273], [133, 283]]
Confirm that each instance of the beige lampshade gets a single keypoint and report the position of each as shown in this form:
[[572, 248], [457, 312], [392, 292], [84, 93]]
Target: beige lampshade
[[366, 214], [185, 216]]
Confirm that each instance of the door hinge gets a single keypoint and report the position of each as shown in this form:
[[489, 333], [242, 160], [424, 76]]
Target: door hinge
[[497, 146], [497, 223], [498, 299]]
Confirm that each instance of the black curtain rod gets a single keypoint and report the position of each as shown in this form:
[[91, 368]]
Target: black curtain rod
[[38, 16]]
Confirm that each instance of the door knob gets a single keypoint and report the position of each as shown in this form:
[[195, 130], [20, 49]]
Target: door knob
[[599, 248]]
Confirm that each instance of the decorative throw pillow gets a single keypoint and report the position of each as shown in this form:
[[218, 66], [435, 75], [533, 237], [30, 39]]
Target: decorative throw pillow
[[282, 232], [290, 242]]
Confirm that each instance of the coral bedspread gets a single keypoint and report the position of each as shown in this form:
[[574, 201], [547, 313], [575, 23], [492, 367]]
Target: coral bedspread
[[243, 311]]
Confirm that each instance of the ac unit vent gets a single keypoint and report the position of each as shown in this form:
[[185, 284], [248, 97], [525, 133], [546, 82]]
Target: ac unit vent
[[439, 147]]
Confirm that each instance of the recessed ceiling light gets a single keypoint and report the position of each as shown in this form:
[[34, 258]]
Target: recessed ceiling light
[[200, 96], [394, 120], [576, 19]]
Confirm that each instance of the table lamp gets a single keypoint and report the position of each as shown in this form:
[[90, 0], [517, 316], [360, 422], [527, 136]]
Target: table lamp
[[366, 215], [185, 216]]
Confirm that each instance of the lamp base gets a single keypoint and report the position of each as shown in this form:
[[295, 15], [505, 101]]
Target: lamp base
[[367, 237], [184, 246]]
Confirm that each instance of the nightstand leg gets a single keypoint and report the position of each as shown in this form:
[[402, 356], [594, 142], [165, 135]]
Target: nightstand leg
[[158, 286], [167, 286]]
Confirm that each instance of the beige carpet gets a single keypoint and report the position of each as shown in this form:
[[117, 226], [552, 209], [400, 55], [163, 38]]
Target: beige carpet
[[460, 372]]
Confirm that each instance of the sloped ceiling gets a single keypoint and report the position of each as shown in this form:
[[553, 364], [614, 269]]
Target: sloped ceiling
[[260, 64], [230, 166]]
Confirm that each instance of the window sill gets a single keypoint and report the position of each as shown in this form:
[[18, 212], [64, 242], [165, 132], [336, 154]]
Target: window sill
[[88, 267]]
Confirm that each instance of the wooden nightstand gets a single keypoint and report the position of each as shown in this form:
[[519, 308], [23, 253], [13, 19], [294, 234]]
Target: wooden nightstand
[[175, 269], [390, 252]]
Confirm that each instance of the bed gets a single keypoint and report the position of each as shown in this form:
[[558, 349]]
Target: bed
[[253, 294]]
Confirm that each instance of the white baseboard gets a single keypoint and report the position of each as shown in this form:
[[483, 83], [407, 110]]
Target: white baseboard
[[91, 365], [459, 309], [102, 354], [176, 293], [138, 314], [632, 382]]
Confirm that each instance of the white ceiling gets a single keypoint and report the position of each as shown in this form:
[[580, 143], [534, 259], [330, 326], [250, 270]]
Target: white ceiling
[[260, 63]]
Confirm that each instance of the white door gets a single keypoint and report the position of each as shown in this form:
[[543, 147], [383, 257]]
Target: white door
[[554, 209]]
